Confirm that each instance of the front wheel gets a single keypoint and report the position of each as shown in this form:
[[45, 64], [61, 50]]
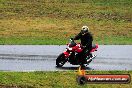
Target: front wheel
[[60, 61]]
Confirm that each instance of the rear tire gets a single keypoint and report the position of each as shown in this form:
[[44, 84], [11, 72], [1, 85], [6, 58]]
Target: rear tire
[[60, 61]]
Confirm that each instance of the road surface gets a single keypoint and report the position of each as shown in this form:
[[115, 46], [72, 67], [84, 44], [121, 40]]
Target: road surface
[[42, 58]]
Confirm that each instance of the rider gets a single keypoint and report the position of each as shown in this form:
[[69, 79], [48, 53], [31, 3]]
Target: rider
[[86, 40]]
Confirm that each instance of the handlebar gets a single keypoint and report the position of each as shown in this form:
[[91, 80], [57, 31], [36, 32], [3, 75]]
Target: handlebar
[[71, 39]]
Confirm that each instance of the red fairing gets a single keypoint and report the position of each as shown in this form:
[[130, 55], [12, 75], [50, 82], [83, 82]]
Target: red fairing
[[94, 48], [66, 54], [77, 48]]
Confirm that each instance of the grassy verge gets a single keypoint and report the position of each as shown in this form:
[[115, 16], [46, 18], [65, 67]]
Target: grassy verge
[[65, 79], [55, 21]]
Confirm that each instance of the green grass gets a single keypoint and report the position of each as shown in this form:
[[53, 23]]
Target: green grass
[[31, 41], [65, 79], [52, 41], [55, 21]]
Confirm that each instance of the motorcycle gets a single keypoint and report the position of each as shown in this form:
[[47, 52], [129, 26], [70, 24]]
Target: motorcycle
[[72, 52]]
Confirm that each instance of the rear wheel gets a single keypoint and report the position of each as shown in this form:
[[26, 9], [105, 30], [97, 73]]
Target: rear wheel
[[60, 61]]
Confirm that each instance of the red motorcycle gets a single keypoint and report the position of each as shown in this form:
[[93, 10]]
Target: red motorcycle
[[71, 55]]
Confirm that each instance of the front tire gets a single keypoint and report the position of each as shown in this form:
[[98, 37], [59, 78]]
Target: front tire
[[60, 61]]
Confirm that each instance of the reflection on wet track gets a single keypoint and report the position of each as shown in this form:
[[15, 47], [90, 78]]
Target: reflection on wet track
[[27, 57], [43, 63]]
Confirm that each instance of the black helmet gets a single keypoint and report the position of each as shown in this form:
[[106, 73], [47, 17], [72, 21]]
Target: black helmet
[[84, 29]]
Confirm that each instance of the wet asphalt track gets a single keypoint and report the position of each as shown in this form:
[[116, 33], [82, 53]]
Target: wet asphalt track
[[42, 58]]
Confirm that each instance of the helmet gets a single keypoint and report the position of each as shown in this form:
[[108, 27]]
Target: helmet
[[84, 29]]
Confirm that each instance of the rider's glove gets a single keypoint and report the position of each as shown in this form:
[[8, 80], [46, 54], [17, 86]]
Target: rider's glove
[[72, 38]]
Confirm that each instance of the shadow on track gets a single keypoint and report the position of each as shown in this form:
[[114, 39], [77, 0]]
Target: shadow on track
[[73, 68]]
